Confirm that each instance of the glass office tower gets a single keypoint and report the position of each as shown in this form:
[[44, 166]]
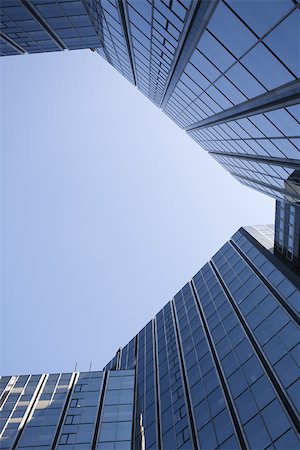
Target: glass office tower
[[225, 71], [36, 26], [217, 368], [287, 234], [86, 410]]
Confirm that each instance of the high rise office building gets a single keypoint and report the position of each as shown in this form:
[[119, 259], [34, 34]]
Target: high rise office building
[[86, 410], [36, 26], [287, 234], [217, 368], [225, 71]]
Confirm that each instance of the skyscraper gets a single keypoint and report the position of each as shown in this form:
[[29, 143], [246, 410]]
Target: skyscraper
[[82, 410], [287, 233], [225, 71], [36, 26], [217, 368]]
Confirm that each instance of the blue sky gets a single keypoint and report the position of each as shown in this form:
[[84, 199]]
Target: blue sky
[[108, 209]]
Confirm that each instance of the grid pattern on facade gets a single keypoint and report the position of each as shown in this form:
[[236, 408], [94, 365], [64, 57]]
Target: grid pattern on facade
[[47, 26], [16, 406], [235, 60], [42, 423], [7, 49], [275, 331], [239, 57], [272, 179], [244, 371], [268, 190], [273, 134], [287, 232], [70, 22], [155, 28], [175, 423], [79, 420], [235, 91], [213, 423], [141, 357], [283, 207], [114, 45], [269, 272], [226, 357], [22, 28], [67, 411], [117, 413]]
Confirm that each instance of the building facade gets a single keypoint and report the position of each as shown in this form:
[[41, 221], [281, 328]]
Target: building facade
[[227, 72], [217, 368], [37, 26], [287, 234], [86, 410]]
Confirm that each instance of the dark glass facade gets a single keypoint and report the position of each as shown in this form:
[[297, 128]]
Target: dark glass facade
[[37, 26], [225, 71], [218, 366], [67, 411], [287, 233]]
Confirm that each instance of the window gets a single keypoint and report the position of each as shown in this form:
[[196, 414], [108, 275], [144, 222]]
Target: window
[[226, 27], [256, 433], [266, 67], [282, 41], [78, 388], [263, 16], [275, 419], [67, 438]]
